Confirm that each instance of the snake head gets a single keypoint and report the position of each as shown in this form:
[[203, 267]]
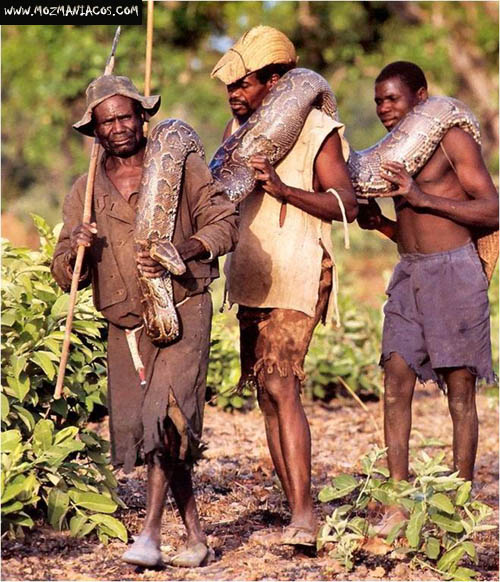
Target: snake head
[[167, 255]]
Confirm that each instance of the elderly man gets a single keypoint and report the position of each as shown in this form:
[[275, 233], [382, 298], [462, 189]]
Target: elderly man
[[163, 418], [282, 273], [436, 323]]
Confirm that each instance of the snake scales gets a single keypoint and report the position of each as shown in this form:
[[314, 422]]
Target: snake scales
[[272, 130], [169, 144]]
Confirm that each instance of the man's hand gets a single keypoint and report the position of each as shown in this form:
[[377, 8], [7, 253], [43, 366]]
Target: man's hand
[[266, 174], [395, 173], [148, 266], [369, 215], [82, 235]]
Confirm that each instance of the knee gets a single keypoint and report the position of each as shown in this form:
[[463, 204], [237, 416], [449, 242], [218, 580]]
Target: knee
[[461, 405], [277, 390], [397, 391]]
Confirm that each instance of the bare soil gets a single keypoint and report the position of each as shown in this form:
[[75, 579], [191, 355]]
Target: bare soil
[[238, 494]]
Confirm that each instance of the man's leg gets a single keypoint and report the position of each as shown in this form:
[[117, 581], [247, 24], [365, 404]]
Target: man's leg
[[145, 551], [399, 385], [289, 440], [462, 404]]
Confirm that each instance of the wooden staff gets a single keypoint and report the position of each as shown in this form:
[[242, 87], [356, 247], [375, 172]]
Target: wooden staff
[[149, 57], [87, 211]]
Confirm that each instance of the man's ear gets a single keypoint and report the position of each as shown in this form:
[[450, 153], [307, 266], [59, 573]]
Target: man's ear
[[273, 79], [422, 94]]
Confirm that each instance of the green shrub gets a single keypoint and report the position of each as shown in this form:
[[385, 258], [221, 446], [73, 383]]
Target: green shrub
[[53, 467], [346, 355], [442, 517]]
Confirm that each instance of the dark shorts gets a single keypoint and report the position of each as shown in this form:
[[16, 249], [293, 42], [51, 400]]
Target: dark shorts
[[437, 314]]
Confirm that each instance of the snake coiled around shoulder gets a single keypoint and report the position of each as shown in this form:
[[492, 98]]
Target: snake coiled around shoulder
[[169, 144]]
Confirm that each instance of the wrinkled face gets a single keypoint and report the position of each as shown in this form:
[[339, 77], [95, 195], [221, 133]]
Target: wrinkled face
[[246, 95], [394, 99], [118, 126]]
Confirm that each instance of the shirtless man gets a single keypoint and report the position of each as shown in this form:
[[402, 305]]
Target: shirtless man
[[436, 323]]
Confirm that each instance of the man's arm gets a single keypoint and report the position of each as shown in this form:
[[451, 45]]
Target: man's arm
[[213, 215], [465, 154], [370, 217], [330, 172]]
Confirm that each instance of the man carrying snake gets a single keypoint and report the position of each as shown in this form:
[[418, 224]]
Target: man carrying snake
[[436, 323], [156, 393], [282, 273]]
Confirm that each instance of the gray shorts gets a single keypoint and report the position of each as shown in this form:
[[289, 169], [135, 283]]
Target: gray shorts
[[437, 314]]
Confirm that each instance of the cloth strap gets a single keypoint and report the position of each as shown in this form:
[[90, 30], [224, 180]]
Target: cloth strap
[[344, 218]]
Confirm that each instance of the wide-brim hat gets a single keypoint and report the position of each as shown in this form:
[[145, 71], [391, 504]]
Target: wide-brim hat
[[107, 86], [257, 48]]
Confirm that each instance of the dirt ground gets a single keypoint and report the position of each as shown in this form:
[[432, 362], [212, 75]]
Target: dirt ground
[[237, 494]]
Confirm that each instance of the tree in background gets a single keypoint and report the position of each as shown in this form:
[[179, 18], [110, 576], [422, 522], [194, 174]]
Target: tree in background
[[46, 68]]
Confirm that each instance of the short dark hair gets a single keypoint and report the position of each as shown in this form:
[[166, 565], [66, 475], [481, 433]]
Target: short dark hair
[[263, 75], [409, 73]]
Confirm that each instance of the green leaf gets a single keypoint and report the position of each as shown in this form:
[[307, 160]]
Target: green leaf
[[93, 501], [451, 558], [470, 549], [58, 452], [110, 526], [43, 434], [5, 406], [60, 307], [10, 440], [463, 493], [13, 488], [442, 502], [12, 507], [43, 359], [25, 415], [432, 548], [447, 523], [344, 484], [461, 574], [414, 527], [76, 523], [66, 433], [58, 504]]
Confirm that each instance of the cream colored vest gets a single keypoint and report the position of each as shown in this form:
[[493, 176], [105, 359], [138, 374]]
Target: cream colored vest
[[275, 266]]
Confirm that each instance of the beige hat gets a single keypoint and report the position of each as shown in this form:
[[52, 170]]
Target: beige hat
[[108, 86], [257, 48]]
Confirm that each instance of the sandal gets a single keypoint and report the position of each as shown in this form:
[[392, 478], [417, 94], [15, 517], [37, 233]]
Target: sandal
[[194, 556], [143, 552], [267, 537], [294, 535]]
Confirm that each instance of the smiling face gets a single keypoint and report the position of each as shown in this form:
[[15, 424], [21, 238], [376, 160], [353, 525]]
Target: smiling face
[[118, 126], [246, 95], [394, 99]]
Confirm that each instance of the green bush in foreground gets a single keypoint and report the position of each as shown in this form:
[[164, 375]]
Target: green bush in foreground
[[442, 517], [52, 467]]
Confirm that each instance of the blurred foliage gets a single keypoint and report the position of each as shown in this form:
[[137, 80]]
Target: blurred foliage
[[45, 70], [53, 467]]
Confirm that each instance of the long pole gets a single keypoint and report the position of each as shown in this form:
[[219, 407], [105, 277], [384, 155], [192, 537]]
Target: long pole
[[149, 56], [87, 211]]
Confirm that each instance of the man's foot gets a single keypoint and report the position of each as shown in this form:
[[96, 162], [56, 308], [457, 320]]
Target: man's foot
[[392, 517], [192, 556], [144, 552], [267, 537], [294, 535]]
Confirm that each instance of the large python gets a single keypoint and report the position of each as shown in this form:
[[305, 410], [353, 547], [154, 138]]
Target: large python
[[272, 130], [169, 144], [275, 126]]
